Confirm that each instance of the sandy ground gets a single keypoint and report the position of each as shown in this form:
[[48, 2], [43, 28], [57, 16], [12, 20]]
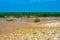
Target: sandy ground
[[27, 29], [6, 27]]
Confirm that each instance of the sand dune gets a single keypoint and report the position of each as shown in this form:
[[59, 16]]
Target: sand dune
[[29, 30]]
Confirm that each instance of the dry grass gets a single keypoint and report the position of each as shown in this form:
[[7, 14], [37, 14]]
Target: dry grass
[[32, 34], [28, 30]]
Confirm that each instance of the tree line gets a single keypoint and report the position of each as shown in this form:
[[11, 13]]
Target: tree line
[[28, 14]]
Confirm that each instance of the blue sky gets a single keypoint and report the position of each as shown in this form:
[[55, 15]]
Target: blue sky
[[29, 5]]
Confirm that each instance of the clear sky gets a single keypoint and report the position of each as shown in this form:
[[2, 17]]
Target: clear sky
[[29, 5]]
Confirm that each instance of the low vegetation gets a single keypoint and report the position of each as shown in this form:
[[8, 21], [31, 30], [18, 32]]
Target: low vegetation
[[36, 20], [9, 19]]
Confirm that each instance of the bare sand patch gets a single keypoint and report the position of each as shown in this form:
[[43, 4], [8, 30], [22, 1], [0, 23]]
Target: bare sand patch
[[29, 30]]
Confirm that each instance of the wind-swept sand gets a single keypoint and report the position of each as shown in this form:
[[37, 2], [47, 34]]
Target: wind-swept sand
[[6, 26], [28, 30]]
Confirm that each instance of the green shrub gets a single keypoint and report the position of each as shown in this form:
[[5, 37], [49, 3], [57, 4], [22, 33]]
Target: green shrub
[[36, 20], [9, 19]]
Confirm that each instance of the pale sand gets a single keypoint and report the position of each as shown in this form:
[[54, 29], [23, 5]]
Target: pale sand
[[22, 30], [6, 27]]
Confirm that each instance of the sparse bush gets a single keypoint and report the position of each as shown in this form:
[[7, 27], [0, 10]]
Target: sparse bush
[[9, 19], [36, 20]]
